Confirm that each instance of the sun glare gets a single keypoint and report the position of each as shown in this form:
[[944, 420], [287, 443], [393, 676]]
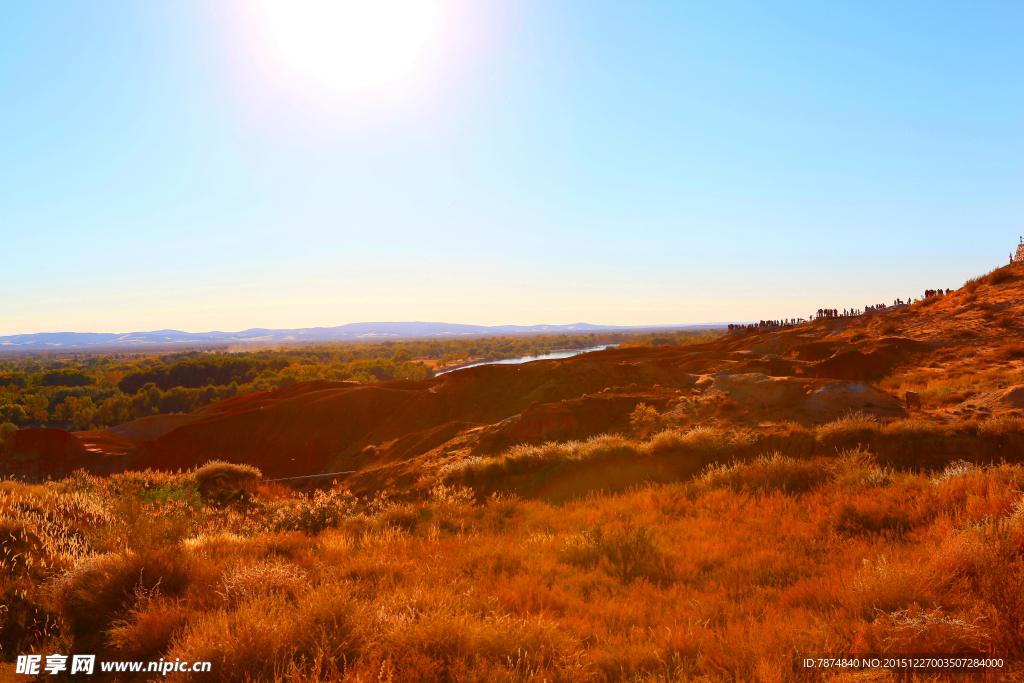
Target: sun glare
[[352, 43]]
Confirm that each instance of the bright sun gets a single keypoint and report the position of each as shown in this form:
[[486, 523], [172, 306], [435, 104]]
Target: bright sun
[[352, 43]]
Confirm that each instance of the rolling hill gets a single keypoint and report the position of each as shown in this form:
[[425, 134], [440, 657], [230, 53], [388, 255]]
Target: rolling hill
[[961, 352]]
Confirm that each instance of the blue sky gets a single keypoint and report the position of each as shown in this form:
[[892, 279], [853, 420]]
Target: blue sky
[[163, 166]]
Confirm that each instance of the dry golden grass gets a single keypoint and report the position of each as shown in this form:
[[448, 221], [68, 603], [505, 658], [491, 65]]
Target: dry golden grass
[[765, 473], [889, 327], [962, 375], [1000, 275], [1007, 320], [927, 302], [717, 577], [557, 470]]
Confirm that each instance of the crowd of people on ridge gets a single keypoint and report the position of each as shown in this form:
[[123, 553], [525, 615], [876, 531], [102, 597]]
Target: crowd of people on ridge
[[835, 313], [830, 313], [766, 324]]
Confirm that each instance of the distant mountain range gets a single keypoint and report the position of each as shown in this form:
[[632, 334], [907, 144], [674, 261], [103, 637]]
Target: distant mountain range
[[350, 332]]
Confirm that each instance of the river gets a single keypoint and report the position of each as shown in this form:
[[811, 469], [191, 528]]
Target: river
[[554, 355]]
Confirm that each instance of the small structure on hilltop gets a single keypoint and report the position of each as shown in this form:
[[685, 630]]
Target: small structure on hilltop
[[1019, 258], [913, 400]]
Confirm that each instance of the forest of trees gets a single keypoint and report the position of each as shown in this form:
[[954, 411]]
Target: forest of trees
[[95, 390]]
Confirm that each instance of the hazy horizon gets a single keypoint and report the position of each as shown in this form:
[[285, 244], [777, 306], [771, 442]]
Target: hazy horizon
[[171, 341], [226, 166], [366, 322]]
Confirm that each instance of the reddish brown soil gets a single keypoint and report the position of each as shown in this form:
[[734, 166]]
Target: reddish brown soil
[[150, 428], [105, 443], [39, 453]]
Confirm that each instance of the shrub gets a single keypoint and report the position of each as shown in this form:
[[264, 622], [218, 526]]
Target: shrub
[[246, 581], [456, 495], [911, 429], [313, 514], [1000, 580], [148, 628], [105, 589], [887, 586], [926, 631], [994, 277], [1012, 351], [145, 528], [870, 514], [926, 302], [999, 275], [400, 515], [644, 419], [7, 428], [630, 552], [224, 482], [988, 556], [48, 527], [853, 427], [269, 635], [583, 549], [703, 441], [1002, 425], [42, 532], [856, 468], [1006, 320], [774, 472], [524, 458]]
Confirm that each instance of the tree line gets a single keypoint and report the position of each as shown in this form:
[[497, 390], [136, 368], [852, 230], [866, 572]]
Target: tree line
[[82, 391]]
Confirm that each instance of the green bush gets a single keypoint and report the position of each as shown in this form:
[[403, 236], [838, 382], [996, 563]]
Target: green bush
[[7, 428]]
